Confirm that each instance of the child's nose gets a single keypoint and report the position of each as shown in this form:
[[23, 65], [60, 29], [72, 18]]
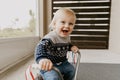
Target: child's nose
[[66, 25]]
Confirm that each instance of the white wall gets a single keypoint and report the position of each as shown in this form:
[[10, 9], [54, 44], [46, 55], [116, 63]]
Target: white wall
[[114, 41], [14, 50]]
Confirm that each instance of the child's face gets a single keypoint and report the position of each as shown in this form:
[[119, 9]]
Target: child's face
[[64, 25]]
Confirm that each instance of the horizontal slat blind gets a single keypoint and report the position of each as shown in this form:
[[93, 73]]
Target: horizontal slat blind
[[93, 21]]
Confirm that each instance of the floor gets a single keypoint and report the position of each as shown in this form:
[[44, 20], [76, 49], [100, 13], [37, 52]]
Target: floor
[[18, 71], [87, 56]]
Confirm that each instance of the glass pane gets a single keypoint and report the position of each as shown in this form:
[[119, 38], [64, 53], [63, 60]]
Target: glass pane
[[17, 18]]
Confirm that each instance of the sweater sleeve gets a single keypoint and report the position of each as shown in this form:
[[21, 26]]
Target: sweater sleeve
[[41, 50]]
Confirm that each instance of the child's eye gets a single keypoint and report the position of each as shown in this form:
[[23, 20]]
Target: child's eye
[[70, 23], [62, 22]]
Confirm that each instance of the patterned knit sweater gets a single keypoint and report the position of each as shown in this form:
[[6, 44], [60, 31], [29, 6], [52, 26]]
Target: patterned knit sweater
[[53, 47]]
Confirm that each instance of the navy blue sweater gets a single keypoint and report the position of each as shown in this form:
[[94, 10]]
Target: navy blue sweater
[[52, 47]]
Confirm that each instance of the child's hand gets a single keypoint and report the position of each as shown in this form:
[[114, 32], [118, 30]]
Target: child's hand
[[45, 64], [74, 49]]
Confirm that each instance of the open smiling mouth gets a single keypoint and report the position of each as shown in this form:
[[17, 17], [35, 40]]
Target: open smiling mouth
[[64, 31]]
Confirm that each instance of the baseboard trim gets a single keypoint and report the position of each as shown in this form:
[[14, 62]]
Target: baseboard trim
[[5, 68]]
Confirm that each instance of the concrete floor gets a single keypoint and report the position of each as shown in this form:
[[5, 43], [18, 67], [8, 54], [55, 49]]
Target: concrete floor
[[87, 56]]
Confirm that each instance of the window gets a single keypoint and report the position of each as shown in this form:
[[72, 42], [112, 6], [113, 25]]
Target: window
[[93, 22], [17, 18]]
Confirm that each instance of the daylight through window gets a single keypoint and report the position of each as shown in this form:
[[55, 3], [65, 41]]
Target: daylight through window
[[17, 18]]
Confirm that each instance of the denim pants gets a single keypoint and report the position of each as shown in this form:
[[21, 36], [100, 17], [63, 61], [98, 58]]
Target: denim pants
[[66, 69]]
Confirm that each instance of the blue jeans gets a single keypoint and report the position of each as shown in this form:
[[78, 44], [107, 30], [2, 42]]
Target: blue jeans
[[66, 69]]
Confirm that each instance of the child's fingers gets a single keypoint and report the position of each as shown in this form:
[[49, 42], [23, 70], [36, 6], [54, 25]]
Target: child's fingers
[[40, 65], [50, 66], [45, 64], [75, 49]]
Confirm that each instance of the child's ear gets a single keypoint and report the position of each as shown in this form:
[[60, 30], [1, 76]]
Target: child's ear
[[54, 25]]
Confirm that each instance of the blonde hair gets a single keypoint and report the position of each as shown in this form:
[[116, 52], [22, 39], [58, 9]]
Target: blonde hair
[[59, 12]]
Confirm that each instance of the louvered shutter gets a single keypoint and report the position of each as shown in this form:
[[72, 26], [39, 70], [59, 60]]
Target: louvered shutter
[[93, 22]]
